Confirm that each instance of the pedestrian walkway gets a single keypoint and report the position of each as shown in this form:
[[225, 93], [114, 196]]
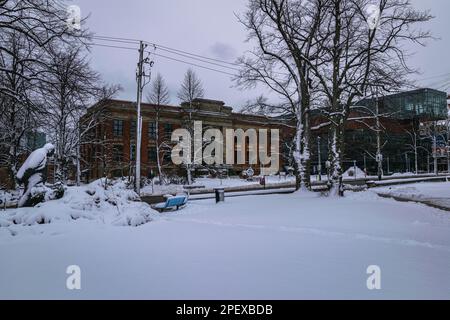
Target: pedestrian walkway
[[439, 203]]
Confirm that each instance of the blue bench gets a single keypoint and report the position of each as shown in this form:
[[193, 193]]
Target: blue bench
[[172, 203]]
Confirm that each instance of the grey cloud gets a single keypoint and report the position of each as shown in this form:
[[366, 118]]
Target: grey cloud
[[223, 51]]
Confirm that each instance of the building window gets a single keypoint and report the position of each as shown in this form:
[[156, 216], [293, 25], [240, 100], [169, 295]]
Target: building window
[[168, 128], [118, 153], [118, 128], [152, 130], [133, 129], [152, 155]]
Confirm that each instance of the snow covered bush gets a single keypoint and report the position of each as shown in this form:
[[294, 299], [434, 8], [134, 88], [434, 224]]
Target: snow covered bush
[[42, 193], [116, 205], [352, 173], [8, 198]]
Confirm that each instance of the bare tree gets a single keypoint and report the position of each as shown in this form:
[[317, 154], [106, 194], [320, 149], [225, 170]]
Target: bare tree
[[435, 137], [191, 89], [88, 121], [104, 152], [28, 31], [361, 51], [40, 22], [414, 145], [19, 115], [159, 96], [285, 33], [71, 87]]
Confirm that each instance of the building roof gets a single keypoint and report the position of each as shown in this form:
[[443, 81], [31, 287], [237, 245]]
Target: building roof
[[204, 106]]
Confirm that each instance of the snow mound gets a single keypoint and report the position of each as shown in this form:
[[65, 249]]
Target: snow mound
[[350, 173], [117, 205]]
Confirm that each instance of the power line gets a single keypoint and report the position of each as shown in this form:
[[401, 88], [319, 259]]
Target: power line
[[117, 38], [439, 83], [192, 64], [176, 51], [184, 54], [444, 86], [437, 76], [111, 46], [187, 56], [172, 51], [192, 54], [166, 57], [118, 41]]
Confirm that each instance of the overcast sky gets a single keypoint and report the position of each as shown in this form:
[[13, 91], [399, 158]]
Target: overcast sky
[[210, 28]]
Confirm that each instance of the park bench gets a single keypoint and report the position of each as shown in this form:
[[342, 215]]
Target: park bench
[[172, 203]]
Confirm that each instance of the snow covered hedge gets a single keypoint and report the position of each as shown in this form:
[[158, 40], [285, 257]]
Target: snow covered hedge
[[117, 205]]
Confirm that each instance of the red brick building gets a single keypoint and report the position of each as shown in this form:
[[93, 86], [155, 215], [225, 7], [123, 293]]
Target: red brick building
[[110, 149]]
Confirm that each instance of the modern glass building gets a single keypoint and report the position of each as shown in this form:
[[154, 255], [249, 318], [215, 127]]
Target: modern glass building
[[423, 104], [401, 116]]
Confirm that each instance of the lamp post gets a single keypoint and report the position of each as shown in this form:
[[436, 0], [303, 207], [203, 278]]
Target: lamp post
[[379, 155], [406, 163], [435, 159], [365, 165], [319, 168], [388, 166]]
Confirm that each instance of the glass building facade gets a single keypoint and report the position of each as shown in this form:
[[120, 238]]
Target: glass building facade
[[424, 104], [401, 115]]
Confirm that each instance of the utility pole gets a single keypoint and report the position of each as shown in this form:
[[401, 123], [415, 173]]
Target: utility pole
[[139, 73], [320, 158], [142, 80]]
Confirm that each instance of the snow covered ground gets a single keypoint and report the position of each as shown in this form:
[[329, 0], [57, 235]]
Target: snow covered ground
[[258, 247]]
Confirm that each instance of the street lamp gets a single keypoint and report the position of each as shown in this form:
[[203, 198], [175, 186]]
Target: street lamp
[[320, 160]]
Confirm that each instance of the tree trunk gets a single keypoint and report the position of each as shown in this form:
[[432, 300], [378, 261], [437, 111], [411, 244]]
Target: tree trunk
[[78, 167], [335, 157], [12, 168], [299, 159], [416, 162], [302, 152], [158, 160]]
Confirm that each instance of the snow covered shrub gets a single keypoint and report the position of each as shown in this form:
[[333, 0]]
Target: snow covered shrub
[[117, 205], [354, 172], [174, 179], [355, 188], [42, 193]]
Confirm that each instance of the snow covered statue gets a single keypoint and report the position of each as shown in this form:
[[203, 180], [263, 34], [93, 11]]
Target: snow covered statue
[[33, 174]]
